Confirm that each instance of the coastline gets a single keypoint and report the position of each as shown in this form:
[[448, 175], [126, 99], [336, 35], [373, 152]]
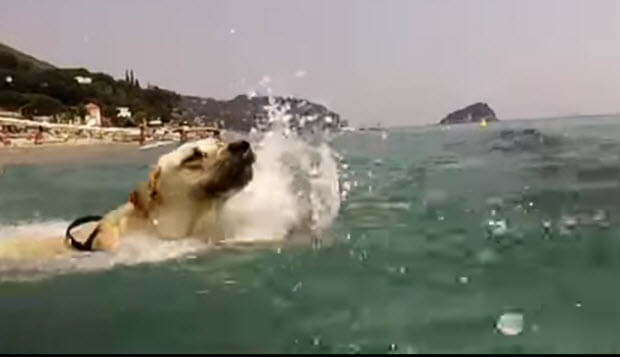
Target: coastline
[[65, 152]]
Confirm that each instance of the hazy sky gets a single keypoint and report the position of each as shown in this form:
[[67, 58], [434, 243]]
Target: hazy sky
[[398, 62]]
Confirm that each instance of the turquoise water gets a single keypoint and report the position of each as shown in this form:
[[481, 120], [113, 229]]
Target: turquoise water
[[443, 231]]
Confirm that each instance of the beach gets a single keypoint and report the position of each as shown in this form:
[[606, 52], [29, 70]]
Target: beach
[[25, 141], [66, 152]]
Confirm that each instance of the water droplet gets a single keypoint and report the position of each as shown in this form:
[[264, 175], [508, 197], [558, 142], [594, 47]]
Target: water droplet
[[441, 218], [348, 236], [316, 341], [546, 224], [202, 292], [229, 282], [569, 222], [155, 222], [392, 347], [463, 279], [402, 270], [578, 304], [363, 256], [510, 323], [530, 204], [599, 215], [279, 250], [354, 348], [297, 287], [497, 227]]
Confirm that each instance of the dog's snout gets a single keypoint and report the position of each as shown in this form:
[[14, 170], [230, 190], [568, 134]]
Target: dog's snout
[[239, 146]]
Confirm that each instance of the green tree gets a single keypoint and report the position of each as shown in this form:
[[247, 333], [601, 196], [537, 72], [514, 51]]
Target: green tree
[[12, 100], [41, 105], [8, 61]]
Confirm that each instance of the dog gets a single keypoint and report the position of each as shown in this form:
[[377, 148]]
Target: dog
[[182, 198]]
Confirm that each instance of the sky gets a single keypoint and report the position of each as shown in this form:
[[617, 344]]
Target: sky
[[397, 62]]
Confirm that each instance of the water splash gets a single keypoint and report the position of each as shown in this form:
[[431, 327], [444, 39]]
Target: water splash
[[295, 186], [510, 323]]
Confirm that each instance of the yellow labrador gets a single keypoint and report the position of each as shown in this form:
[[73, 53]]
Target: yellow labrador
[[182, 198]]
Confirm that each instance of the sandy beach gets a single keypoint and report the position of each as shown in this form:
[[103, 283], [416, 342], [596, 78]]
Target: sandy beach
[[50, 153]]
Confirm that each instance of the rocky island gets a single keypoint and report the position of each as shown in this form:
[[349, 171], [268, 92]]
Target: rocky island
[[474, 113]]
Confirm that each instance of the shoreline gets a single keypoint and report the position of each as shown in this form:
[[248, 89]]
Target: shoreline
[[62, 152]]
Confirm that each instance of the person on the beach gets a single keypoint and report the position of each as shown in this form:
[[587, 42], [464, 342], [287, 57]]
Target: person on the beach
[[184, 133], [4, 135], [142, 133], [38, 136]]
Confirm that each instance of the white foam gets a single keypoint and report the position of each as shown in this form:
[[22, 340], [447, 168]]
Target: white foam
[[132, 250]]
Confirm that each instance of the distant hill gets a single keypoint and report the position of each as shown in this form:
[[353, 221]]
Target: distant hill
[[471, 114], [59, 93], [243, 112], [11, 58], [34, 87]]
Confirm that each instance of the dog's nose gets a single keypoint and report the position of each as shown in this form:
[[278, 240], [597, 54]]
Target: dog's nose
[[240, 146]]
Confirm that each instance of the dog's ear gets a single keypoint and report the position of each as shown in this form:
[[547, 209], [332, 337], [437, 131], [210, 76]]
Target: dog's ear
[[153, 187], [139, 197]]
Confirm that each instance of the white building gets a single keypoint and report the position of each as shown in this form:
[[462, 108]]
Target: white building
[[83, 80], [123, 112], [93, 114]]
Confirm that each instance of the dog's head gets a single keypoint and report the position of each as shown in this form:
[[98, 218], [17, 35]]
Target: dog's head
[[202, 170]]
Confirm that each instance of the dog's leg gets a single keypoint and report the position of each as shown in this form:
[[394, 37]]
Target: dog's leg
[[111, 227], [107, 238]]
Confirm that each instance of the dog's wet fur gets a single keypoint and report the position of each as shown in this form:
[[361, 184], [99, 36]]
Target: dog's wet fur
[[182, 198]]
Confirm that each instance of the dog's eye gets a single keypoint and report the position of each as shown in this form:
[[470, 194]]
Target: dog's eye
[[194, 158]]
